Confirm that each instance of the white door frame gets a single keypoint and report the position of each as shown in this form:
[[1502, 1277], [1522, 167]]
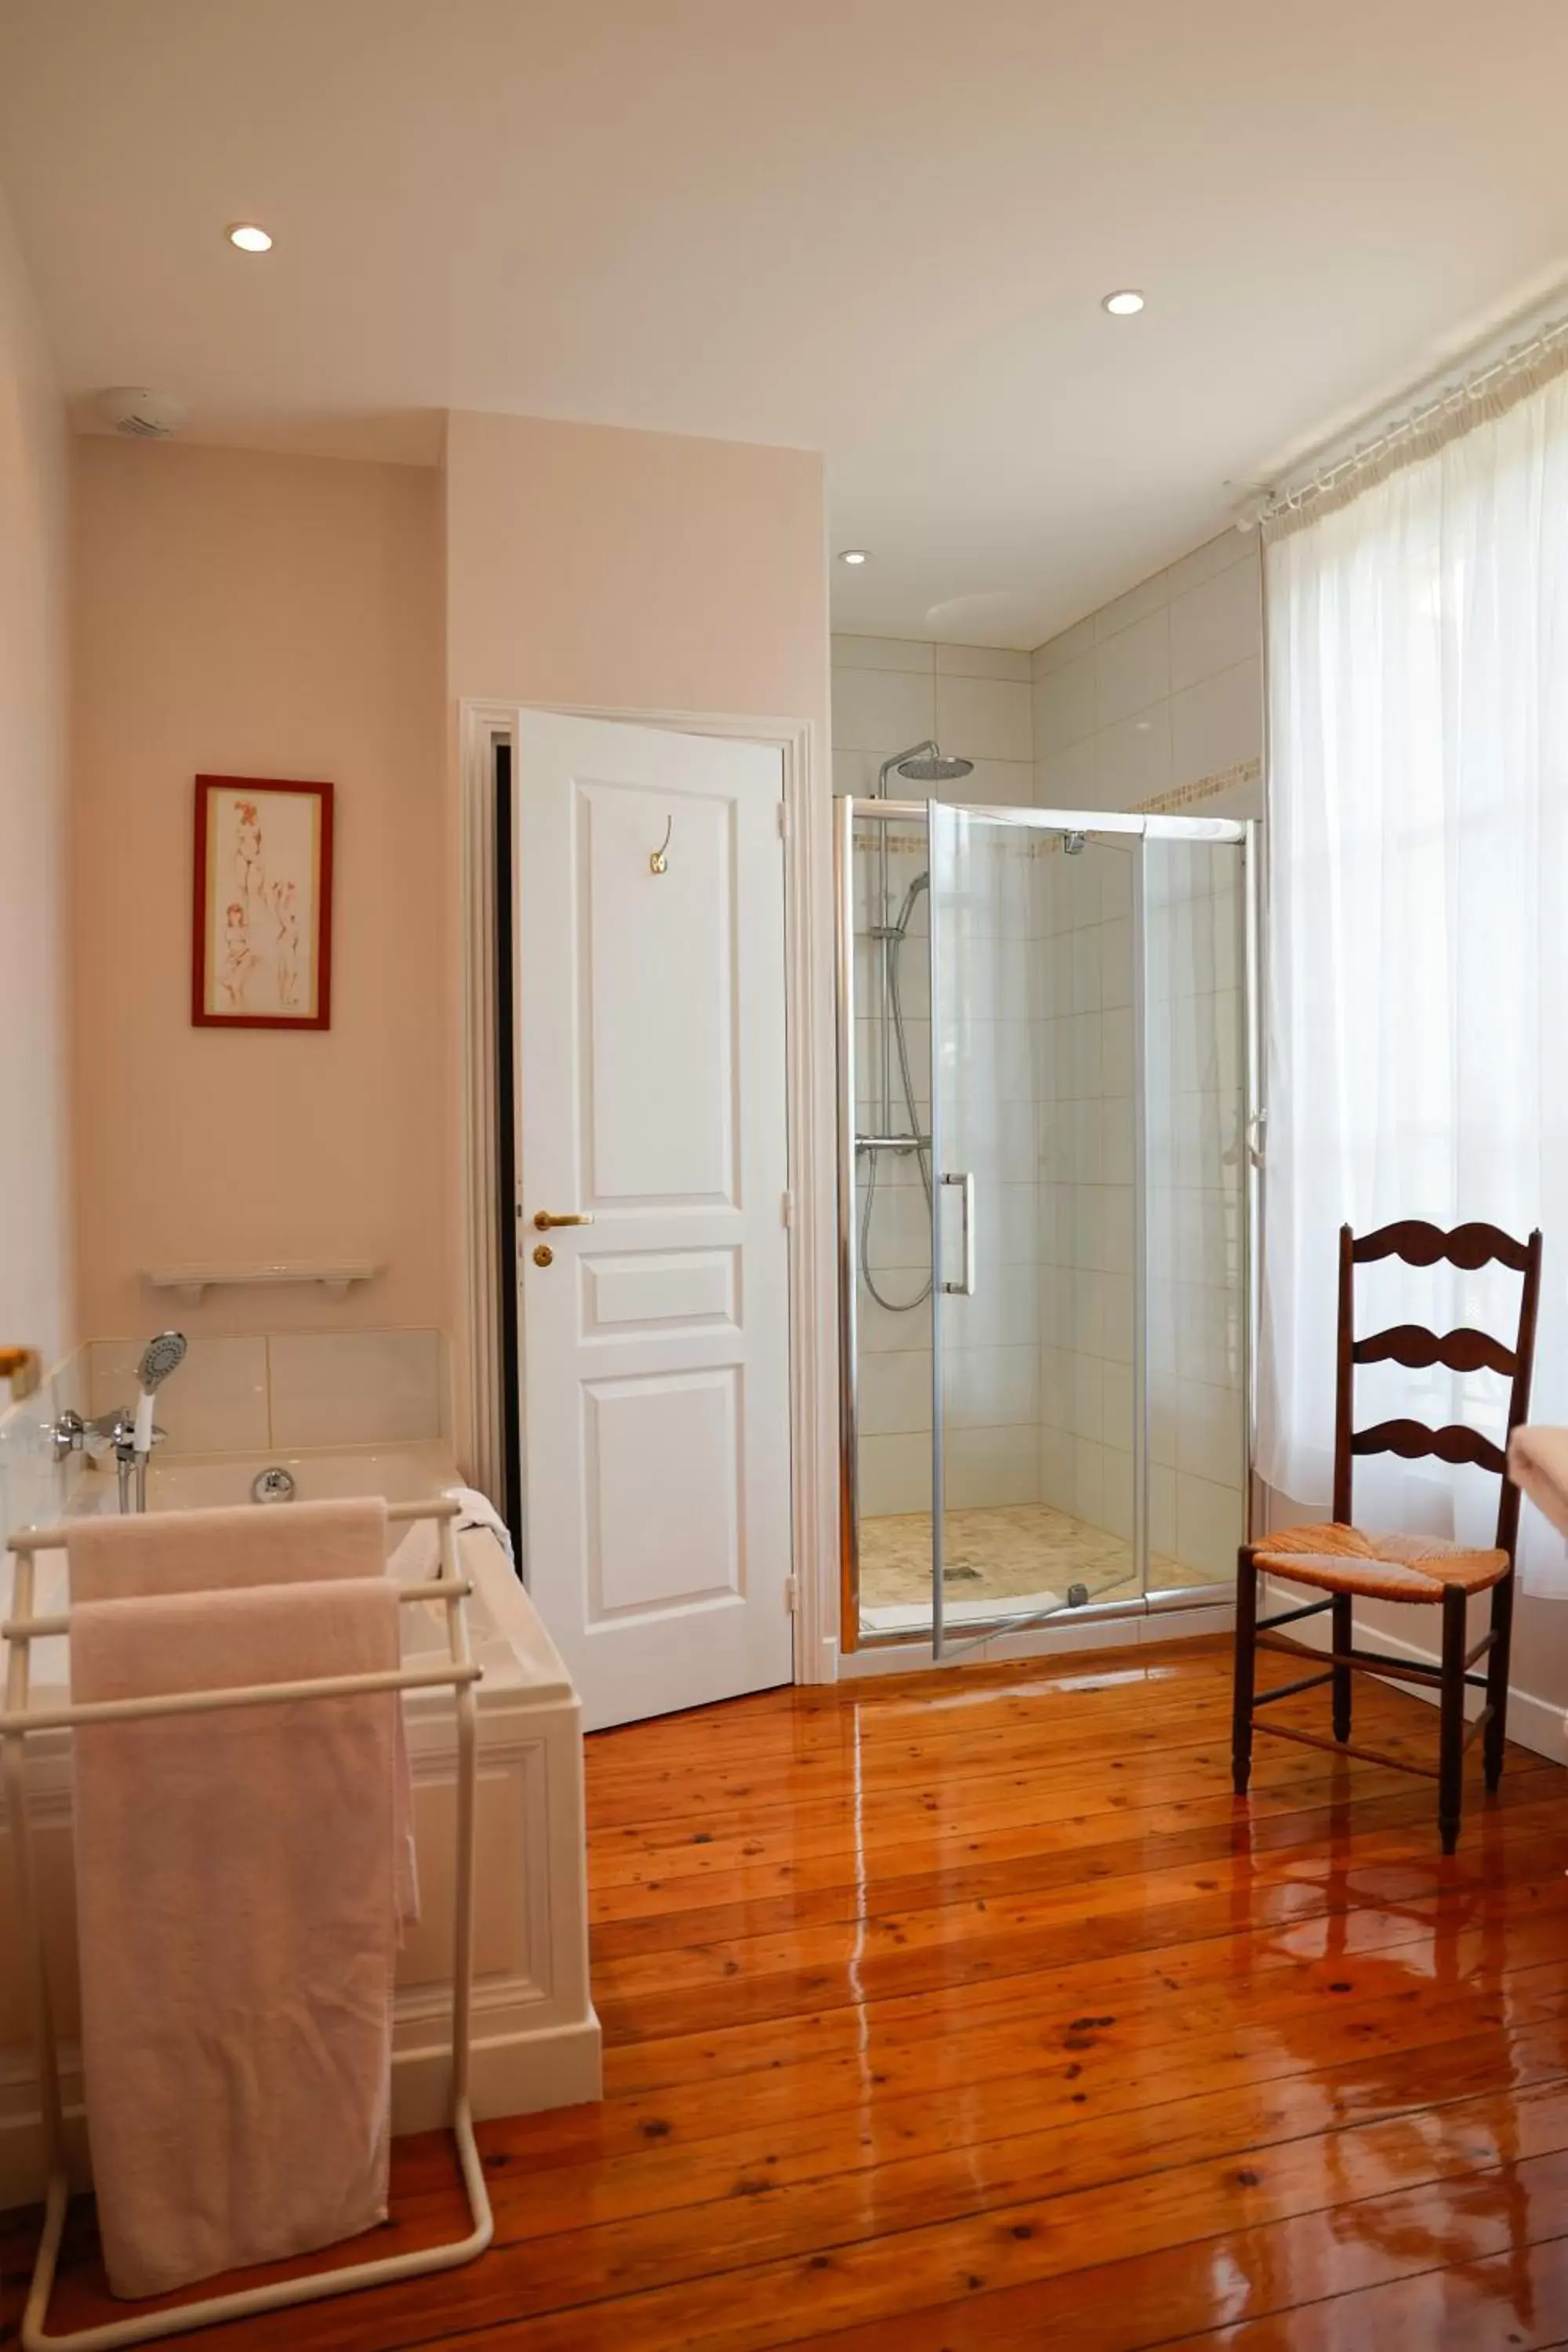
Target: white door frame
[[810, 1109]]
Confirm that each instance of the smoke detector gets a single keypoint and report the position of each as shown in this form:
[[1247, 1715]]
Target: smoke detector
[[142, 414]]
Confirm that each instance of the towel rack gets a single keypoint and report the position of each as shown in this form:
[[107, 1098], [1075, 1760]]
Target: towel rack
[[19, 1718]]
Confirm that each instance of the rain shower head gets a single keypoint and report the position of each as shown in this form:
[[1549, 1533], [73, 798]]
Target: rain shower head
[[923, 764], [931, 768], [160, 1356]]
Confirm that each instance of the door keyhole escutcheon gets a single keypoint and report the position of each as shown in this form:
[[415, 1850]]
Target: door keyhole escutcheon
[[544, 1255]]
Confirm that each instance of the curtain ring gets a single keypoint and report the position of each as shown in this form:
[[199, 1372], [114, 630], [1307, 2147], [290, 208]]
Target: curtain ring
[[658, 863]]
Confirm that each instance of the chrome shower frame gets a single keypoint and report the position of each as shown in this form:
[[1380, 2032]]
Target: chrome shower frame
[[1245, 834]]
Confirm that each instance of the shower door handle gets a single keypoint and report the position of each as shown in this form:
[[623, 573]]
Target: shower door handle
[[964, 1180]]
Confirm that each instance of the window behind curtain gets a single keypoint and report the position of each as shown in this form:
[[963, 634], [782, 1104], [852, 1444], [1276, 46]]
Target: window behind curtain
[[1417, 1052]]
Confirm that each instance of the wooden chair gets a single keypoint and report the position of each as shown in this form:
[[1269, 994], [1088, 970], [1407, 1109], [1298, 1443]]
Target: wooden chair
[[1344, 1563]]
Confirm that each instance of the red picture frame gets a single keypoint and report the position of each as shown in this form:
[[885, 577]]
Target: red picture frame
[[261, 938]]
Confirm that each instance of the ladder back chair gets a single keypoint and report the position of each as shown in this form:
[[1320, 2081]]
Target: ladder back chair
[[1346, 1564]]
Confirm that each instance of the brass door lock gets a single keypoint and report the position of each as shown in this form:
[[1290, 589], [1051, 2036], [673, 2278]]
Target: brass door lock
[[544, 1255]]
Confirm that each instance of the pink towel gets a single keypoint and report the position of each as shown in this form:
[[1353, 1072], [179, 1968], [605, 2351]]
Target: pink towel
[[280, 1543], [238, 1893], [1537, 1464], [201, 1551]]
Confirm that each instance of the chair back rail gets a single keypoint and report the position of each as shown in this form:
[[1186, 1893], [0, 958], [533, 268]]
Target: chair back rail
[[1469, 1247]]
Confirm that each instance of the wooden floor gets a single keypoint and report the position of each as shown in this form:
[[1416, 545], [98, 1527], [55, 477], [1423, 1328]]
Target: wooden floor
[[969, 2014]]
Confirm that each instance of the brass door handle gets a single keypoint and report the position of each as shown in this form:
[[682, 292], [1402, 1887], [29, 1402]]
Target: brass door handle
[[543, 1219]]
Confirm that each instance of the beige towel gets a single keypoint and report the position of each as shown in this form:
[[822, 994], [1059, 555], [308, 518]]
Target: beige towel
[[1537, 1464], [237, 1891]]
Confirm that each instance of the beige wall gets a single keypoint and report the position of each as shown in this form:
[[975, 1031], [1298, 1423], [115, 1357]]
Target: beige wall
[[638, 571], [36, 1306], [252, 615], [587, 564]]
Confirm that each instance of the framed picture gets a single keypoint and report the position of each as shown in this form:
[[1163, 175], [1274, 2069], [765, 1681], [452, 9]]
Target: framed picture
[[262, 944]]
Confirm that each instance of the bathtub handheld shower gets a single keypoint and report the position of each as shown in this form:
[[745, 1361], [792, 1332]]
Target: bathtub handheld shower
[[160, 1356]]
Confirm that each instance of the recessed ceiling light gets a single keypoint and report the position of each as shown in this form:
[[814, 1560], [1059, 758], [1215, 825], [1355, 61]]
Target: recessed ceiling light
[[249, 238], [854, 555], [1125, 303]]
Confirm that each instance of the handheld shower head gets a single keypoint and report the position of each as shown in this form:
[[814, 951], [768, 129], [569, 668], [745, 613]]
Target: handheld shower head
[[160, 1356]]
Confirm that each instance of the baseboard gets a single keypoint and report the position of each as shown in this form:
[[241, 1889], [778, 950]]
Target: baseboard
[[1535, 1723]]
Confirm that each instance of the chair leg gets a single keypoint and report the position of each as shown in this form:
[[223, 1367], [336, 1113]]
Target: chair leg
[[1451, 1725], [1496, 1732], [1246, 1670], [1343, 1637]]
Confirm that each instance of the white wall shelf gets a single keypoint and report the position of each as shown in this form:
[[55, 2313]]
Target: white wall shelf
[[188, 1282]]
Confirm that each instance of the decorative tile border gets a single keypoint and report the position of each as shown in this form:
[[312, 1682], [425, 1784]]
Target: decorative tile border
[[1202, 788]]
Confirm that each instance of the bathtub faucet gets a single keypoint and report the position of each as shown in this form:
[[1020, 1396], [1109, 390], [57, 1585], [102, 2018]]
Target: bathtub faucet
[[106, 1431], [129, 1430]]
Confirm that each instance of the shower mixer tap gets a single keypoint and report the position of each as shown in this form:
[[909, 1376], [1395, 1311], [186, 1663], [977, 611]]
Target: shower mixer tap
[[129, 1432]]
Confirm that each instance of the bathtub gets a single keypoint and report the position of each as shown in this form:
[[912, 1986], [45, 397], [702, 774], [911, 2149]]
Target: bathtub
[[536, 2037]]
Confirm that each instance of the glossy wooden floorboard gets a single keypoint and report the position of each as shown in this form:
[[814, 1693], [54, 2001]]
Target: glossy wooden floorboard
[[972, 2012]]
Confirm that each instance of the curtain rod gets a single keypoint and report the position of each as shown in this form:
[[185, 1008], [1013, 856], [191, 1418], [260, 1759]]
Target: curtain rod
[[1484, 385]]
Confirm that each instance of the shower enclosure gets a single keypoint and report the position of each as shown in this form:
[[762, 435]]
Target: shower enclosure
[[1046, 1098]]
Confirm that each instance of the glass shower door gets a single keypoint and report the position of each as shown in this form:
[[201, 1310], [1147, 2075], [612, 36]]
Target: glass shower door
[[1035, 1501]]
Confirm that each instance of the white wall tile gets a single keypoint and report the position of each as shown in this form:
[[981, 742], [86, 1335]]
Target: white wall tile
[[1231, 547], [894, 1475], [215, 1403], [1217, 723], [995, 783], [880, 1328], [1123, 612], [353, 1387], [1058, 1454], [894, 1392], [982, 661], [851, 652], [1134, 759], [1215, 626], [1089, 1481], [1209, 1525], [991, 1388], [1066, 705], [1117, 1492], [1064, 648], [1209, 1442], [1069, 779], [881, 710], [996, 1466], [1134, 668], [984, 717]]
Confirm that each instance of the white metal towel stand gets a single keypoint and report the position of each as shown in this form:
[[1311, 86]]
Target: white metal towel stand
[[19, 1718]]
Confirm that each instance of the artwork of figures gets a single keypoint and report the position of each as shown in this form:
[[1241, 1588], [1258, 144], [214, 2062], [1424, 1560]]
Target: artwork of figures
[[263, 904]]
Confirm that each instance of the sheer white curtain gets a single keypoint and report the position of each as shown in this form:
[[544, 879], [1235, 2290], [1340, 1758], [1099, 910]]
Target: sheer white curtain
[[1418, 1050]]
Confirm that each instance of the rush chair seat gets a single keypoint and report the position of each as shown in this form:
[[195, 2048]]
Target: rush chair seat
[[1345, 1563]]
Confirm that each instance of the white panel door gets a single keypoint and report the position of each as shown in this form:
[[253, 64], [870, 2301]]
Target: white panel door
[[650, 1091]]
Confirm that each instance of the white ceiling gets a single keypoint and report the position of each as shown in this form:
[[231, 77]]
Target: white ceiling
[[876, 227]]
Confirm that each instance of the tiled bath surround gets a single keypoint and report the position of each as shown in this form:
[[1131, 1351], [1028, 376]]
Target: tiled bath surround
[[289, 1392]]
